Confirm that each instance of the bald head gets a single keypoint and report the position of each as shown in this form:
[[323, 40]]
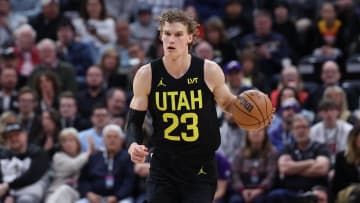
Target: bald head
[[330, 74]]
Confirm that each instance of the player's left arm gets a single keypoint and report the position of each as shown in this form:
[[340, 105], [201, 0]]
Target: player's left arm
[[215, 80]]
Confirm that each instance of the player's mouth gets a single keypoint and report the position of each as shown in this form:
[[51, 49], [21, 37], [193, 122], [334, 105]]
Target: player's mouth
[[171, 48]]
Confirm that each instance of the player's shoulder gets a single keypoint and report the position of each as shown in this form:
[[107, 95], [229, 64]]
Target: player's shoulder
[[144, 72], [212, 68]]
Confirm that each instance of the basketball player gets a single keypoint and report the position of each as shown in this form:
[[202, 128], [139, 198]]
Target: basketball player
[[180, 91]]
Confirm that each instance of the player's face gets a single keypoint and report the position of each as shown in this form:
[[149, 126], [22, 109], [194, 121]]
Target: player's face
[[175, 38]]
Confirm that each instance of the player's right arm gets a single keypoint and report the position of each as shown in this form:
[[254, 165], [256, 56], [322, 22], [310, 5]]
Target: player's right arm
[[138, 108]]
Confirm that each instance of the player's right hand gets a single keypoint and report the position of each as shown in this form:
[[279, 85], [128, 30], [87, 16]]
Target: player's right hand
[[138, 153]]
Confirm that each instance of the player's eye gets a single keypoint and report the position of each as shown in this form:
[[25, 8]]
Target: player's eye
[[178, 34]]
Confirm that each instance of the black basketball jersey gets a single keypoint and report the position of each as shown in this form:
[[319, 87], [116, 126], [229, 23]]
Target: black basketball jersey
[[183, 111]]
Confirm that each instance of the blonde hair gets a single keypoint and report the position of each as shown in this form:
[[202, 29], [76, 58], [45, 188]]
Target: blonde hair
[[70, 132], [343, 108], [179, 16], [352, 153]]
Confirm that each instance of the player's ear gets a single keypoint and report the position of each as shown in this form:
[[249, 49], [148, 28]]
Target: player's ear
[[190, 38]]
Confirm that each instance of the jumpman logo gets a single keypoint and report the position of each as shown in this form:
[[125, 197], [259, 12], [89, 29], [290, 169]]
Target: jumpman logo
[[161, 83], [201, 171]]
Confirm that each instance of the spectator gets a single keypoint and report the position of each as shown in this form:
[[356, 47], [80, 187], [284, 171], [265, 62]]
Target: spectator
[[26, 52], [8, 59], [330, 76], [47, 139], [108, 176], [328, 30], [144, 29], [338, 95], [120, 9], [116, 102], [204, 50], [67, 164], [253, 168], [223, 177], [285, 26], [302, 165], [80, 54], [47, 87], [8, 93], [215, 34], [9, 21], [280, 132], [46, 22], [69, 116], [49, 61], [95, 26], [122, 44], [6, 118], [252, 76], [26, 8], [110, 64], [234, 77], [208, 8], [346, 170], [137, 59], [331, 131], [23, 168], [235, 22], [95, 92], [27, 117], [270, 47], [290, 77], [100, 118], [232, 137]]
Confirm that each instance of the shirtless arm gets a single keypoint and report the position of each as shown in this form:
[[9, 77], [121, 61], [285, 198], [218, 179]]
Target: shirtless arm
[[215, 80], [138, 107]]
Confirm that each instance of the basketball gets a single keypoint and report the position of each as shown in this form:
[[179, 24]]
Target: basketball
[[252, 110]]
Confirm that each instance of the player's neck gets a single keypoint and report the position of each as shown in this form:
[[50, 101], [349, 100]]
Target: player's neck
[[177, 66]]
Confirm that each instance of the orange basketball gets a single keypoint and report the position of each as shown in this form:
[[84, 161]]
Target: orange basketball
[[252, 110]]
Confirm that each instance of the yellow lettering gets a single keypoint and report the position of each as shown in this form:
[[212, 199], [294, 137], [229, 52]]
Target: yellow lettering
[[164, 101], [196, 99], [183, 101], [173, 101]]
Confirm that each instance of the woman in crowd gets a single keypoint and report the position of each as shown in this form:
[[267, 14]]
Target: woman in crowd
[[110, 64], [48, 88], [94, 25], [347, 165], [253, 168], [338, 95], [50, 128], [67, 164]]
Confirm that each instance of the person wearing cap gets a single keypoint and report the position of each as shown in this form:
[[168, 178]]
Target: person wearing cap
[[67, 164], [234, 76], [108, 176], [23, 167], [331, 131], [280, 132]]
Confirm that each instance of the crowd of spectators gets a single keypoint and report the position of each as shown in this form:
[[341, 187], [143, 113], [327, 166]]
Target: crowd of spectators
[[66, 69]]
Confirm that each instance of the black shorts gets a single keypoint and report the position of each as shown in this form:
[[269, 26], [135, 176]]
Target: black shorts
[[181, 179]]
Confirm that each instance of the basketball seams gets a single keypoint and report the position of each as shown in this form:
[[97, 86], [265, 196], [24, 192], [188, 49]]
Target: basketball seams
[[246, 112], [258, 108]]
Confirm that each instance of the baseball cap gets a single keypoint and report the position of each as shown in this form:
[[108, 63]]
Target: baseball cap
[[232, 66], [291, 103], [13, 127], [8, 52], [46, 2]]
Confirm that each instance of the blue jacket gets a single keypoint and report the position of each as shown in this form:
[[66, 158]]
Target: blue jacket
[[93, 174]]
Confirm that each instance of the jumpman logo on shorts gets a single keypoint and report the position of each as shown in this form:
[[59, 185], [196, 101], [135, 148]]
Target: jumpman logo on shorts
[[201, 171], [161, 83]]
